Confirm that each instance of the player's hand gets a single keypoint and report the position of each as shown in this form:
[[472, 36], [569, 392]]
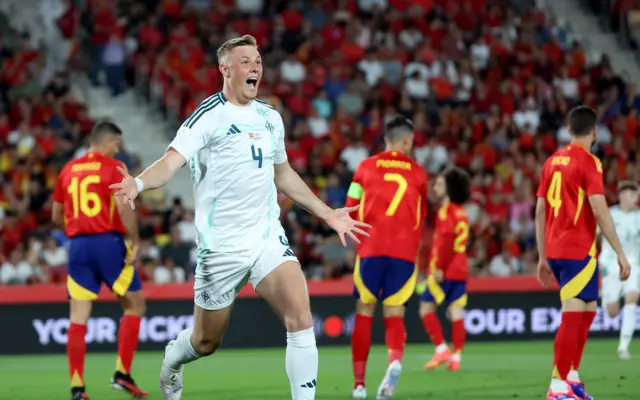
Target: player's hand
[[545, 275], [127, 189], [625, 267], [340, 221], [438, 275]]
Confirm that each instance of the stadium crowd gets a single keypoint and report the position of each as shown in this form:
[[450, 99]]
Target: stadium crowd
[[487, 85]]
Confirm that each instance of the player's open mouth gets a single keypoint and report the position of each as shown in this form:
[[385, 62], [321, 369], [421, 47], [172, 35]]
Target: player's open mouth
[[253, 83]]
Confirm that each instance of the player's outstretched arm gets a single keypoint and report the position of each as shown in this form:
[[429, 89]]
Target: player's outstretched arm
[[608, 229], [157, 175], [289, 182]]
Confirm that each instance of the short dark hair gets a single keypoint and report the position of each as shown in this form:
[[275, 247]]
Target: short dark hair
[[582, 120], [397, 128], [458, 184], [627, 185], [102, 130]]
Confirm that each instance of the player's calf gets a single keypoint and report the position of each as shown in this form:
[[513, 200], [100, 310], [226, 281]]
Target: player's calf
[[285, 289], [458, 336], [433, 328]]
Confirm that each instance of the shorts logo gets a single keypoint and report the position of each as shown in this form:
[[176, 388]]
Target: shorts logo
[[288, 253], [205, 297]]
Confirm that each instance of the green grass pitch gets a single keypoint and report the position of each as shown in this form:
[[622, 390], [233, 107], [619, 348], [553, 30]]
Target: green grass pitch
[[489, 371]]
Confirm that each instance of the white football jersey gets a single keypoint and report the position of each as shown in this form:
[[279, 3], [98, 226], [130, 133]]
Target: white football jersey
[[231, 151], [628, 229]]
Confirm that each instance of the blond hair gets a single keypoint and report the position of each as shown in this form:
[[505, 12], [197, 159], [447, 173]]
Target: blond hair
[[229, 45]]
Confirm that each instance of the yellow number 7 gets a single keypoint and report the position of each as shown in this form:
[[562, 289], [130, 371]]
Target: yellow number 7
[[402, 189], [554, 192]]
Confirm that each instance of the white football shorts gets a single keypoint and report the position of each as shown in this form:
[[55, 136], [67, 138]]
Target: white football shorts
[[613, 289], [220, 275]]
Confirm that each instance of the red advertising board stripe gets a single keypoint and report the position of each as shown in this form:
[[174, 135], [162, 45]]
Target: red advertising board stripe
[[184, 291]]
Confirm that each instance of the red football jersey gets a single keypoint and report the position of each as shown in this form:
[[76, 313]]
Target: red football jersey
[[569, 176], [83, 189], [391, 189], [450, 240]]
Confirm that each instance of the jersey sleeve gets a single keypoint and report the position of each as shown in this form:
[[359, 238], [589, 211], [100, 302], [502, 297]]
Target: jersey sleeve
[[281, 151], [189, 140], [354, 194], [592, 178]]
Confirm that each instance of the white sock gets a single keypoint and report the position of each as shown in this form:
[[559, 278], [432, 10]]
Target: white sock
[[573, 376], [628, 326], [181, 352], [442, 347], [302, 364], [558, 385]]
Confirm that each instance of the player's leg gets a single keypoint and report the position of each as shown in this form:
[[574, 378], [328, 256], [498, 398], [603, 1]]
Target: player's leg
[[578, 281], [83, 287], [368, 275], [108, 252], [458, 301], [434, 295], [399, 285], [631, 294], [277, 277], [218, 279]]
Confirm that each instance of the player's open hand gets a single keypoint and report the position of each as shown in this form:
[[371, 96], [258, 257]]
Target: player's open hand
[[625, 267], [127, 189], [340, 221], [545, 275]]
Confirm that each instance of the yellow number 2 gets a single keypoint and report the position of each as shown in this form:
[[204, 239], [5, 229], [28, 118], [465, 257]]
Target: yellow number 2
[[83, 200], [461, 231], [397, 197], [554, 193]]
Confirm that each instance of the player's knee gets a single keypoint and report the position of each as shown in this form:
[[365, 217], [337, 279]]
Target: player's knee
[[133, 303], [426, 308], [631, 298], [456, 313], [612, 310], [298, 321], [393, 311], [365, 309]]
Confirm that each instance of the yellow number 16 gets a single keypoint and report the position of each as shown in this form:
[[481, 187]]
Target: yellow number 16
[[83, 200], [554, 192]]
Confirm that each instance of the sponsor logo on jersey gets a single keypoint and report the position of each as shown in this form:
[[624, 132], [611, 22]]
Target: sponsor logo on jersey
[[233, 130]]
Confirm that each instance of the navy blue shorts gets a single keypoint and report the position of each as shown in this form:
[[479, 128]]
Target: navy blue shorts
[[447, 291], [94, 259], [578, 279], [385, 279]]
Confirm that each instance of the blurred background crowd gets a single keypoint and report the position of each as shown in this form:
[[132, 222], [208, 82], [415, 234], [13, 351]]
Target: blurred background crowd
[[487, 84]]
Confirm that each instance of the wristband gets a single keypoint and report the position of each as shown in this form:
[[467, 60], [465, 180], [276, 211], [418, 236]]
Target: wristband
[[139, 184]]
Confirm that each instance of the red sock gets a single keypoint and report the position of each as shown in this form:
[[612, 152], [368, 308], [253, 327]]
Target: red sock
[[458, 335], [127, 342], [587, 320], [360, 345], [433, 328], [564, 346], [395, 335], [76, 349]]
